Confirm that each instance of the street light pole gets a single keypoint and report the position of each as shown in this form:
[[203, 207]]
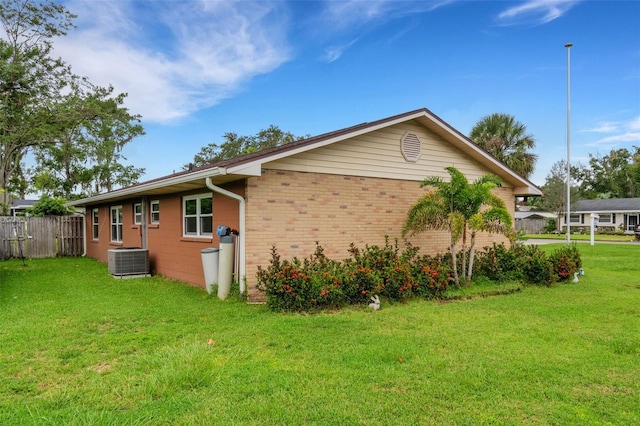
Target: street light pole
[[568, 46]]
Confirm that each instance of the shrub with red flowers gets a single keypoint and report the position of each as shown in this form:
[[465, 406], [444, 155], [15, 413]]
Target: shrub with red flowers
[[359, 282], [318, 282], [432, 277], [565, 262]]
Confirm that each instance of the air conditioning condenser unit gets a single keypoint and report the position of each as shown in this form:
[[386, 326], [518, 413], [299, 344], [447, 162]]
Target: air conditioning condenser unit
[[128, 261]]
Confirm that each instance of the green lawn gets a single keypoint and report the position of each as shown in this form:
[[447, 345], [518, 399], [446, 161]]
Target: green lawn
[[78, 347]]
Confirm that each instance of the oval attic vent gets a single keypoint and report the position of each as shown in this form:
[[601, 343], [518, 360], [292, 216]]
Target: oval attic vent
[[411, 147]]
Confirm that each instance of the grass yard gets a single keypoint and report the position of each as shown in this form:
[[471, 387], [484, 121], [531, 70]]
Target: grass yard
[[81, 348]]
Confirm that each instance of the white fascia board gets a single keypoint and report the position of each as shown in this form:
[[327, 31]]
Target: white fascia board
[[251, 169], [150, 186], [527, 190]]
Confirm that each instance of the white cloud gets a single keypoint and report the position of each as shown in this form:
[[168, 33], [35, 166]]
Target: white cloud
[[355, 17], [333, 53], [536, 12], [174, 58], [346, 13], [624, 132], [607, 127], [624, 137]]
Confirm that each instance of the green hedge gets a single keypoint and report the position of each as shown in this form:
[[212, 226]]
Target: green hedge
[[317, 282]]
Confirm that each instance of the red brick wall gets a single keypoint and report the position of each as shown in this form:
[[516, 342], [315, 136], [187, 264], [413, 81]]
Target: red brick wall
[[293, 210], [131, 234], [170, 254]]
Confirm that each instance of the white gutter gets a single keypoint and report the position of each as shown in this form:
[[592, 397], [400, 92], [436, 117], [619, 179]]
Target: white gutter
[[155, 184], [241, 230]]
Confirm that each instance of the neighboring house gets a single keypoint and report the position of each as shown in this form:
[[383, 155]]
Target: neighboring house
[[19, 207], [533, 222], [614, 214], [353, 185]]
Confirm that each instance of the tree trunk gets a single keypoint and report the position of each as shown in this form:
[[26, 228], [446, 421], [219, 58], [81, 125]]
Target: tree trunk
[[454, 260], [464, 254], [472, 252]]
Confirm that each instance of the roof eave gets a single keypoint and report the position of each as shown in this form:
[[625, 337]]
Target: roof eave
[[151, 186]]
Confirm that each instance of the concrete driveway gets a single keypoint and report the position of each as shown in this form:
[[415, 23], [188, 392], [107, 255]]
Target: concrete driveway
[[540, 241]]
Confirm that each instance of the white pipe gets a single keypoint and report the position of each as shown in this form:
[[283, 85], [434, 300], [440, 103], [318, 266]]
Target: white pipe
[[241, 230], [84, 232]]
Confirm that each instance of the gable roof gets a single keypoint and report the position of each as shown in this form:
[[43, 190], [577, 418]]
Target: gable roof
[[609, 205], [251, 164], [22, 204], [534, 215]]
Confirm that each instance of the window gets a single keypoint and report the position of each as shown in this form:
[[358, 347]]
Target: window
[[155, 211], [605, 218], [94, 223], [137, 213], [198, 215], [116, 223], [576, 218]]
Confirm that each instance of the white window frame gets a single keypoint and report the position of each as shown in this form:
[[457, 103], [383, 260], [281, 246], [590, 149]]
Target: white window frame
[[95, 218], [116, 224], [137, 214], [577, 217], [154, 212], [606, 219], [198, 216]]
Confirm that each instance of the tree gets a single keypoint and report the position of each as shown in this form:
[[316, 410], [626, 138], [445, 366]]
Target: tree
[[234, 145], [105, 136], [86, 158], [554, 190], [612, 176], [75, 130], [31, 81], [459, 208], [47, 206], [502, 136]]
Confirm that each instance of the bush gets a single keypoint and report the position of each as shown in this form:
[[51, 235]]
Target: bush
[[534, 265], [300, 286], [565, 262], [318, 282], [498, 263], [47, 206], [432, 276], [389, 269], [550, 227]]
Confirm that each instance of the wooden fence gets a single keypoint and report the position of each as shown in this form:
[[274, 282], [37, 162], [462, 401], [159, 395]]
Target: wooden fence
[[38, 237], [531, 226]]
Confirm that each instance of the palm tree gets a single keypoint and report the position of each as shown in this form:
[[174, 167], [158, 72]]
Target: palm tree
[[502, 136], [459, 208]]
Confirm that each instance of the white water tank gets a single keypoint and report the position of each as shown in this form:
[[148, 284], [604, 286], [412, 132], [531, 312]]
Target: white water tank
[[225, 266], [210, 266]]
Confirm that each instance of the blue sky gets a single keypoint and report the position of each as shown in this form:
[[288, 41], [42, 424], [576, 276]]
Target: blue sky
[[197, 69]]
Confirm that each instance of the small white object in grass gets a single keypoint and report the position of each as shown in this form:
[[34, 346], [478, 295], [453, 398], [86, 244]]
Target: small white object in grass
[[575, 277], [375, 305]]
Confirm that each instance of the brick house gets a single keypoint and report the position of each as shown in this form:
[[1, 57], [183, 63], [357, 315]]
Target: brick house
[[353, 185]]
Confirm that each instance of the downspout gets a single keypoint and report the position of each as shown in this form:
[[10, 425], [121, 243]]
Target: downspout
[[84, 233], [241, 235], [144, 239]]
